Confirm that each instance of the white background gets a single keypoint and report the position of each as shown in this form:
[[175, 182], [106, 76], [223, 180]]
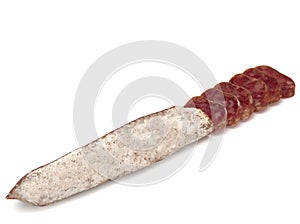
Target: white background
[[45, 48]]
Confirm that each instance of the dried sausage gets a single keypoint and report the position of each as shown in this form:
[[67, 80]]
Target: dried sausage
[[230, 102], [215, 111], [243, 95], [272, 83], [258, 89], [287, 85]]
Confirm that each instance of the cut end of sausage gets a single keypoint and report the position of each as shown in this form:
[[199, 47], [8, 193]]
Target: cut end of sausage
[[286, 84], [229, 101], [215, 111]]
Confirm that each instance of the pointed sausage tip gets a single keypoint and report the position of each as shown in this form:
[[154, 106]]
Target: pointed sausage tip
[[14, 194], [11, 194]]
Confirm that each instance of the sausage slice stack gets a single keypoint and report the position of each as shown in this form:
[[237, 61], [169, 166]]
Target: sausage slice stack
[[253, 90]]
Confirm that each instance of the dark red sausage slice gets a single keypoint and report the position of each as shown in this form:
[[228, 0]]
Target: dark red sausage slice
[[215, 111], [287, 85], [258, 89], [230, 102], [271, 82], [244, 96]]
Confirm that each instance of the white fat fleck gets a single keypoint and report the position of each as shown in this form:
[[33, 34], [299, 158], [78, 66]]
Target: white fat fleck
[[133, 146]]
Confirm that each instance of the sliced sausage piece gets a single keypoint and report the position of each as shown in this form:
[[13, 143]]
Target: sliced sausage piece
[[287, 85], [258, 89], [244, 96], [230, 102], [271, 82], [215, 111]]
